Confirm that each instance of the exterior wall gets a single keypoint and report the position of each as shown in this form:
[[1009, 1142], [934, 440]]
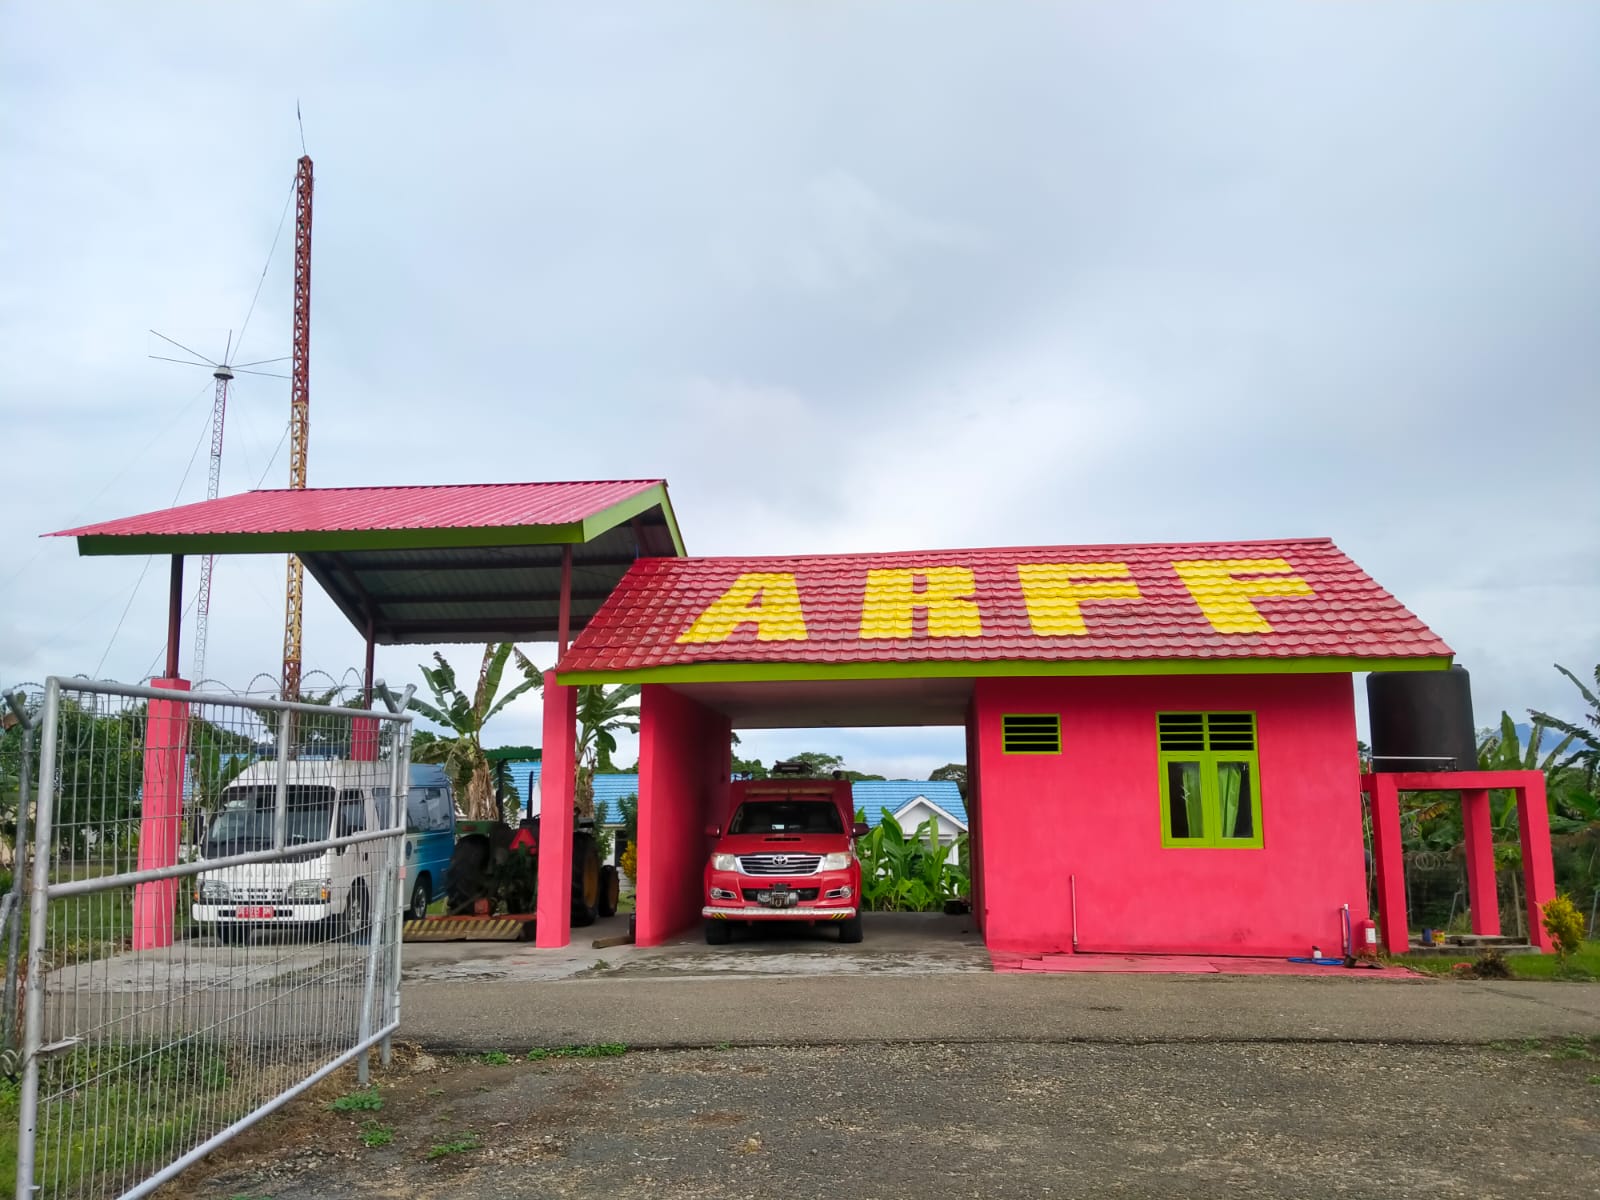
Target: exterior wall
[[975, 817], [1094, 813], [685, 755]]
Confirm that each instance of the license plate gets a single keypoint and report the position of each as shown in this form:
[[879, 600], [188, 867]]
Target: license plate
[[779, 899], [258, 912]]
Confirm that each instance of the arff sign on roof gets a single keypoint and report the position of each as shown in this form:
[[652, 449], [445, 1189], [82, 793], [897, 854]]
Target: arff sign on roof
[[1247, 606]]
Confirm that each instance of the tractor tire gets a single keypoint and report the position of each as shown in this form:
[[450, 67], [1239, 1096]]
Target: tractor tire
[[468, 865], [610, 891], [585, 880], [718, 933]]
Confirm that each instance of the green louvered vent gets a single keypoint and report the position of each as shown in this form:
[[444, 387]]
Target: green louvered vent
[[1199, 732], [1031, 734]]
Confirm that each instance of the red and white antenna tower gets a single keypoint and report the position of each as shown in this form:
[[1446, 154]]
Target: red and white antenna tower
[[299, 417]]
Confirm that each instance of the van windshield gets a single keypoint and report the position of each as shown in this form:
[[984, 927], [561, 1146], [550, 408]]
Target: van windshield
[[244, 823], [787, 816]]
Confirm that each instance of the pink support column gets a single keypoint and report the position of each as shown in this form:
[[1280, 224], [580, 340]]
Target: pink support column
[[1390, 861], [1478, 826], [1538, 869], [166, 744], [557, 784]]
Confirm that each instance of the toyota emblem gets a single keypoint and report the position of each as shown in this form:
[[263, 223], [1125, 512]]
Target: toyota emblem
[[781, 860]]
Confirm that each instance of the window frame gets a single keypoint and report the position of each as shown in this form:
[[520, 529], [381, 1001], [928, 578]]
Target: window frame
[[1210, 760]]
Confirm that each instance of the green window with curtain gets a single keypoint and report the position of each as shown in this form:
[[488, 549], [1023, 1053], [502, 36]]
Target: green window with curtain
[[1210, 787]]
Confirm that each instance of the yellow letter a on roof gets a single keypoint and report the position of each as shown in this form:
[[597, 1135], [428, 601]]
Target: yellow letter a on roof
[[768, 600]]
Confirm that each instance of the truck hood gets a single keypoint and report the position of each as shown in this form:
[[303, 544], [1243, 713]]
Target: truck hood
[[783, 843]]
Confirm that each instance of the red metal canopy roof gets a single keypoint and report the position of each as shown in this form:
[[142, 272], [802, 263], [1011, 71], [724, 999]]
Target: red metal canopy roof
[[444, 563], [1294, 605], [307, 516]]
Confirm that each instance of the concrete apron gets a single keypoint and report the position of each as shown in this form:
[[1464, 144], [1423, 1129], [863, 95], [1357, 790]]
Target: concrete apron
[[895, 944]]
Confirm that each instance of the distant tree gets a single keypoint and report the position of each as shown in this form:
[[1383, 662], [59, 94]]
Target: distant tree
[[955, 773], [602, 713], [1585, 736], [465, 714], [818, 765], [749, 768]]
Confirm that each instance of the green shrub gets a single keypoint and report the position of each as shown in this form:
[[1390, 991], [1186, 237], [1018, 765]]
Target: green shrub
[[1564, 923]]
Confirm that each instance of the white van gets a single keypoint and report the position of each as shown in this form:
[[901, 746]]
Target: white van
[[327, 798]]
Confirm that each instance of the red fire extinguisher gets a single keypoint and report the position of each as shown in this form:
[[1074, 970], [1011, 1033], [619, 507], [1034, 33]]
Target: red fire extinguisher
[[1365, 939]]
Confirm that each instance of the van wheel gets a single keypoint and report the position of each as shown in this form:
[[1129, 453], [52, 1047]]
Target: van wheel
[[421, 897], [585, 880], [230, 935], [357, 919], [718, 933], [610, 891]]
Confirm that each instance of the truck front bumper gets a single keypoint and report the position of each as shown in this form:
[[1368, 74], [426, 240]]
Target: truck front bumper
[[757, 912]]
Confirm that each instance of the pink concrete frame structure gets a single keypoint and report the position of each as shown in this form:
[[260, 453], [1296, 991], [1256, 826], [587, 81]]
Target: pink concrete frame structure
[[166, 748], [685, 758], [1533, 828], [557, 785]]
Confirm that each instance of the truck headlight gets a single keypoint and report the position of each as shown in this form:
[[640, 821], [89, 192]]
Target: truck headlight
[[837, 861], [211, 891], [724, 862], [308, 891]]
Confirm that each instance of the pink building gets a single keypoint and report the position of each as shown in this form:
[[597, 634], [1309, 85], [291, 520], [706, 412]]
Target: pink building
[[1161, 739]]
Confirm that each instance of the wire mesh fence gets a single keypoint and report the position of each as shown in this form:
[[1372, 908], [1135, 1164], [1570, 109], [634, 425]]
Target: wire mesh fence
[[213, 922]]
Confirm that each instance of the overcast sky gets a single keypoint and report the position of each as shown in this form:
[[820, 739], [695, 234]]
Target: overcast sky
[[851, 276]]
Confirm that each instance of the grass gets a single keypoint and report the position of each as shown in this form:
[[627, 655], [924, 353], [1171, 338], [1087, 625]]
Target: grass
[[1585, 964], [364, 1100], [495, 1058], [597, 1050], [111, 1108], [374, 1135], [460, 1145]]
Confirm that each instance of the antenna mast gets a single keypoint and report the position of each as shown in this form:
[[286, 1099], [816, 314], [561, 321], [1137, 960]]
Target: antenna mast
[[219, 411], [299, 416]]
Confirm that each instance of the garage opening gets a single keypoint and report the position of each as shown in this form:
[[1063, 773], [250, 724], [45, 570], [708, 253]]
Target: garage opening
[[913, 838]]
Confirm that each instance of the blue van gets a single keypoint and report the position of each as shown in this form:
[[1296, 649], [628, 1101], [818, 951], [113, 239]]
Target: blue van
[[430, 837]]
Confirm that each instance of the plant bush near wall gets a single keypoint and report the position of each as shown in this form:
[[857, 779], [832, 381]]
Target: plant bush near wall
[[909, 874], [1564, 923]]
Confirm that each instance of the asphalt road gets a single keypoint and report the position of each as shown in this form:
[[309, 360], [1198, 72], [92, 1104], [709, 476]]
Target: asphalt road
[[979, 1120], [650, 1011]]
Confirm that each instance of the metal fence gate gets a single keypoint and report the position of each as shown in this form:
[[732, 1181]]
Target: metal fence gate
[[212, 926]]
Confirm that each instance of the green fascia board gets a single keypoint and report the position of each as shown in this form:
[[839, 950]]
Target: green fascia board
[[334, 540], [633, 506], [729, 672]]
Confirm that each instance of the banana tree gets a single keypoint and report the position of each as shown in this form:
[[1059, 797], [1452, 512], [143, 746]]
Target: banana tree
[[465, 714], [1587, 756], [602, 713]]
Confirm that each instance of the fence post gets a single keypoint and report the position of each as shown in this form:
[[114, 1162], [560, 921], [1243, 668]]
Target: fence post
[[402, 757], [38, 935], [19, 862]]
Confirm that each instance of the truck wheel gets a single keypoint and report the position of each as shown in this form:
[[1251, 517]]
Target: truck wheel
[[850, 931], [718, 933], [610, 891], [467, 866], [357, 920], [585, 880], [421, 897]]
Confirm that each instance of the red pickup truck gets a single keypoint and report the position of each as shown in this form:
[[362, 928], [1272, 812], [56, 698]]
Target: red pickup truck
[[786, 854]]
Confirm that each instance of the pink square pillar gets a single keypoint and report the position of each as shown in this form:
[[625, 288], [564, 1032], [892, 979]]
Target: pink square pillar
[[1538, 869], [1478, 826], [166, 745], [557, 785], [1390, 856]]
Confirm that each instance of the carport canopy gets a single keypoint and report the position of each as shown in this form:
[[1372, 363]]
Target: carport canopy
[[436, 563]]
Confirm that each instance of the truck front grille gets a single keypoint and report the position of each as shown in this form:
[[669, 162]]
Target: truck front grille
[[779, 864]]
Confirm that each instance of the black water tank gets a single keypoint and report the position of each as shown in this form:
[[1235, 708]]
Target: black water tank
[[1422, 720]]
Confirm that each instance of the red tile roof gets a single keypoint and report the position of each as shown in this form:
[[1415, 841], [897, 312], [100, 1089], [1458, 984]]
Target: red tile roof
[[1326, 608], [441, 506]]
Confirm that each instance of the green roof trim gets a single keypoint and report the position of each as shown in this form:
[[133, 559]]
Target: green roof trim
[[732, 672]]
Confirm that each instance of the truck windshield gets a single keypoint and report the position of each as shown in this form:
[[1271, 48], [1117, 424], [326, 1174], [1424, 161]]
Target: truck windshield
[[244, 823], [787, 816]]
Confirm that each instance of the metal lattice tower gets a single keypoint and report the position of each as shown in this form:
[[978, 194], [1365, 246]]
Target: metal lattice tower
[[299, 417], [219, 412]]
